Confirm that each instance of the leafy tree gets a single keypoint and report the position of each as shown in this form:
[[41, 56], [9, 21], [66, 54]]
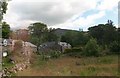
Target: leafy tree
[[91, 48], [115, 47], [51, 36], [110, 22], [118, 35], [82, 38], [38, 31], [97, 32], [104, 33], [5, 30], [3, 8], [69, 37], [110, 34], [75, 38]]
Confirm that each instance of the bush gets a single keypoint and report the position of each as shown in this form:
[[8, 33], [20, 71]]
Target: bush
[[68, 50], [50, 54], [55, 54], [76, 51], [91, 48], [115, 47], [104, 50]]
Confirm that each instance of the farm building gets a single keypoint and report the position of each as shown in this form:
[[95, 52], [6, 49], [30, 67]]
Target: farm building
[[57, 46]]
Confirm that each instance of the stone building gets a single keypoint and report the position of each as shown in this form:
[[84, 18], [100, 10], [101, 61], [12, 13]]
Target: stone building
[[57, 46]]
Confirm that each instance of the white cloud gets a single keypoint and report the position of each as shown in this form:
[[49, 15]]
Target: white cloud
[[51, 13], [58, 13], [108, 4], [82, 22]]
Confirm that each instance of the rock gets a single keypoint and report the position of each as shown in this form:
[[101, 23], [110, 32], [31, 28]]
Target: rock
[[20, 69], [15, 71], [13, 62]]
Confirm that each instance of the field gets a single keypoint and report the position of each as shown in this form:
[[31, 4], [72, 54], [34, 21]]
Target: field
[[71, 66]]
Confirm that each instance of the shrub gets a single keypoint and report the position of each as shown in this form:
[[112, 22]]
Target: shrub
[[68, 50], [91, 48], [115, 47], [55, 54], [76, 51], [50, 54], [104, 50]]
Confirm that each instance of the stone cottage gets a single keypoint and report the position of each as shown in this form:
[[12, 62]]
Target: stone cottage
[[57, 46]]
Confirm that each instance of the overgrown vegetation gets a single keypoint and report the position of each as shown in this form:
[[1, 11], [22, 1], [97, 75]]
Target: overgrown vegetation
[[69, 66], [7, 63], [40, 33], [5, 30], [102, 39], [75, 38], [114, 47], [91, 48]]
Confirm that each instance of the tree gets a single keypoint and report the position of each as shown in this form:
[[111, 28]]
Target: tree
[[115, 47], [3, 8], [69, 37], [110, 34], [110, 22], [118, 35], [97, 32], [37, 33], [91, 48], [75, 38], [104, 33], [37, 29], [82, 39], [51, 36], [5, 30]]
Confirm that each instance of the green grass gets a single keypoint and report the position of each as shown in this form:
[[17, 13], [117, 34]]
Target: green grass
[[90, 71], [105, 65], [38, 63], [99, 71], [100, 60], [66, 66], [6, 63]]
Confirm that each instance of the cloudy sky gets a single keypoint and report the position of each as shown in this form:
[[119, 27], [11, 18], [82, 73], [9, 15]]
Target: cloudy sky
[[66, 14]]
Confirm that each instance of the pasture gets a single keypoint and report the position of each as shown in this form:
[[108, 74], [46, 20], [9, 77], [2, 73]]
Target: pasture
[[71, 66]]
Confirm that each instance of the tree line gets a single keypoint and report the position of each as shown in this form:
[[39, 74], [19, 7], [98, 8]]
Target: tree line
[[102, 37], [99, 39]]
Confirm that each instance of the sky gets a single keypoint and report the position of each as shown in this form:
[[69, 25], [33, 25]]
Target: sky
[[65, 14]]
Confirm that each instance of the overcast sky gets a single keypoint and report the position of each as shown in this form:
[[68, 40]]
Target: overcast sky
[[66, 14]]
